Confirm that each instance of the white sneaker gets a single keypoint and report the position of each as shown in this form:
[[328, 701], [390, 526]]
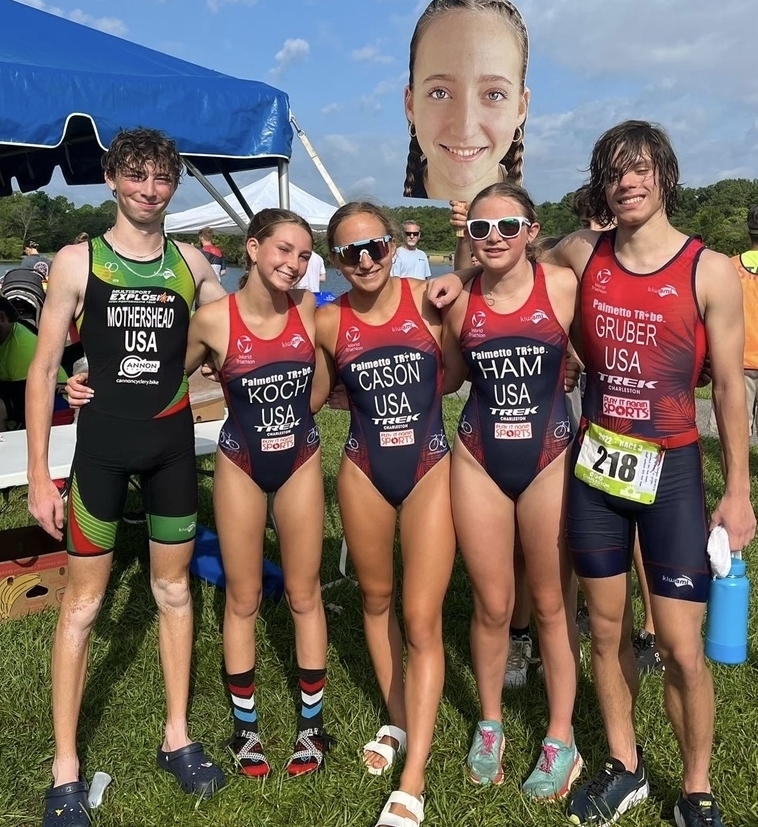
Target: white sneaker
[[519, 658]]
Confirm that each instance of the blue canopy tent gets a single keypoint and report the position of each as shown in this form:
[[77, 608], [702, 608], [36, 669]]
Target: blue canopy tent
[[66, 90]]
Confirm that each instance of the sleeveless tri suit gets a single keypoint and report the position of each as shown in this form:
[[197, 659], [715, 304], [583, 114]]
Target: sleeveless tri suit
[[134, 327], [393, 377], [644, 344], [515, 421], [270, 431]]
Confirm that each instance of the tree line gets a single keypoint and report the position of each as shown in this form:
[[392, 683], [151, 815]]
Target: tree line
[[717, 213]]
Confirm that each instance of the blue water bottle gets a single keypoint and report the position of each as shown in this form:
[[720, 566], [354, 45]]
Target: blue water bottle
[[727, 622]]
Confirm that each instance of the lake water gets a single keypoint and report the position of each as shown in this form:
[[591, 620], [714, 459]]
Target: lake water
[[335, 283]]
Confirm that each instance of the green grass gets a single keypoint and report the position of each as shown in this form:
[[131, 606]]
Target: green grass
[[121, 721]]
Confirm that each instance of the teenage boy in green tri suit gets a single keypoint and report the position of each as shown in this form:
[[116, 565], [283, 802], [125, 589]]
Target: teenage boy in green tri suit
[[130, 293]]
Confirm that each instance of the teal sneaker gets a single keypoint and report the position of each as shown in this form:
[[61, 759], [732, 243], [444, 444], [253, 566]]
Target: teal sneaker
[[557, 768], [485, 756]]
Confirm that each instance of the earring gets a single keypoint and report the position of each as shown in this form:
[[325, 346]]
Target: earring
[[113, 193], [411, 129], [518, 135]]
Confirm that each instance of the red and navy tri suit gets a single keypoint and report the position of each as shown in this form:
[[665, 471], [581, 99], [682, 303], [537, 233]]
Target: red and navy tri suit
[[644, 344], [515, 421], [270, 431], [393, 377]]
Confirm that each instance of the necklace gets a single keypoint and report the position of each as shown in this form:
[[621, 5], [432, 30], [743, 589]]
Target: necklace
[[134, 256], [491, 300], [123, 260]]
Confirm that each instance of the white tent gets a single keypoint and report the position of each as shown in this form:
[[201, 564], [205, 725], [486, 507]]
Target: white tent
[[259, 195]]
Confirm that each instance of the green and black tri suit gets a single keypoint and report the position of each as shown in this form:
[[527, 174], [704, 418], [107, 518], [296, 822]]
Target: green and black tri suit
[[133, 327]]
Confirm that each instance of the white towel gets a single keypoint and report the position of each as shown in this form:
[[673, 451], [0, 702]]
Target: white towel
[[719, 552]]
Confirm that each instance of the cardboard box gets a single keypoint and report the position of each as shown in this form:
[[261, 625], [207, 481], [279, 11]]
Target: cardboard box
[[33, 571], [207, 410], [206, 399]]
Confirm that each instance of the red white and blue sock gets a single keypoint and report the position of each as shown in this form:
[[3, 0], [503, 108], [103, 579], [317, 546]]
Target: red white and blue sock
[[311, 682], [246, 744]]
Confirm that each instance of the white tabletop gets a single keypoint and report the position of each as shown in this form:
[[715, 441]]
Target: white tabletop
[[61, 451]]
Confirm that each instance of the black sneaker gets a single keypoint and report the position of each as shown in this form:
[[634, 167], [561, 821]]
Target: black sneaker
[[612, 792], [697, 810], [646, 653], [583, 620]]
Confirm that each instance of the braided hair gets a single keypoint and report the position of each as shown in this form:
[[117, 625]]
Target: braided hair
[[513, 161]]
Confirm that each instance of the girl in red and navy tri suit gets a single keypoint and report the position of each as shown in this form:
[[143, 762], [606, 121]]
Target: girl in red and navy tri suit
[[382, 341], [262, 342], [508, 333]]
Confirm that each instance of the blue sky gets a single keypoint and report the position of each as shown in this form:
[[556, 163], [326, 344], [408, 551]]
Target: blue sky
[[688, 64]]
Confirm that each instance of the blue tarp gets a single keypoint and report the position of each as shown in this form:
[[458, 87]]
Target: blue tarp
[[66, 90]]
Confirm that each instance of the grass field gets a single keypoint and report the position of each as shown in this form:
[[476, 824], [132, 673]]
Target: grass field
[[121, 722]]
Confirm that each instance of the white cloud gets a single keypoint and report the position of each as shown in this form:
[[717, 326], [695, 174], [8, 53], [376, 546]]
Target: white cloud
[[341, 144], [294, 50], [370, 54], [361, 189], [388, 86], [330, 109], [111, 25], [215, 5], [674, 44]]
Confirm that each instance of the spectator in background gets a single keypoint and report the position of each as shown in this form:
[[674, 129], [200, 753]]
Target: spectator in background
[[81, 238], [747, 267], [314, 275], [33, 260], [410, 262], [213, 253]]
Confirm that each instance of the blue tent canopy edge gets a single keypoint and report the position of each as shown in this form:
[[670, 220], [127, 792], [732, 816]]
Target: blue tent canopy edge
[[63, 100]]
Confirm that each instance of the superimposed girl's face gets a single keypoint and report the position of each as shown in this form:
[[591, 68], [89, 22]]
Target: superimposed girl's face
[[366, 266], [281, 258], [467, 100]]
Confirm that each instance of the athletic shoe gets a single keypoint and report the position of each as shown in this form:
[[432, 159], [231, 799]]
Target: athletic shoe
[[485, 756], [646, 653], [557, 768], [519, 658], [697, 810], [612, 792], [583, 620]]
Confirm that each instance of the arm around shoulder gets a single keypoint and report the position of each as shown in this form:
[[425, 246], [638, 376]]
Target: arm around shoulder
[[325, 376], [455, 367], [208, 287], [205, 320]]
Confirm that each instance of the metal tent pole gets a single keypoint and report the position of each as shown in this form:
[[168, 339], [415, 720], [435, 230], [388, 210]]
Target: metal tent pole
[[216, 195], [283, 168], [317, 161], [237, 192]]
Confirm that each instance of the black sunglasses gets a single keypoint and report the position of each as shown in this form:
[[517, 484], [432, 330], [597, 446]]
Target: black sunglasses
[[508, 227], [350, 254], [412, 234]]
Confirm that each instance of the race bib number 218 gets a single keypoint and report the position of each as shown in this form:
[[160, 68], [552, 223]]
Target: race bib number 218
[[619, 465]]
